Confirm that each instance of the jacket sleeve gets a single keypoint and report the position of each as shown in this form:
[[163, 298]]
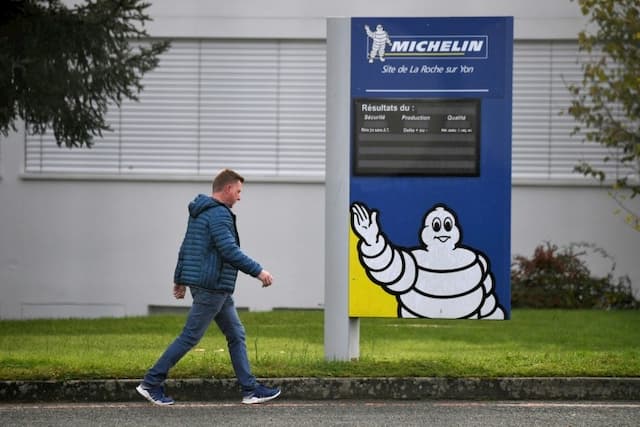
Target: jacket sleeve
[[223, 235], [178, 271]]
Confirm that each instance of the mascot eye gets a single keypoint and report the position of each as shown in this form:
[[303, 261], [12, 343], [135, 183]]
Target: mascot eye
[[436, 224], [448, 224]]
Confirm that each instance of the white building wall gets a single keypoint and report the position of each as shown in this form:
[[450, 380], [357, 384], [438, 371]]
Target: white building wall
[[108, 247], [547, 19]]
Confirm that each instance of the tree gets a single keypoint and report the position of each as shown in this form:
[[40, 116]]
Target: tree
[[606, 104], [61, 67]]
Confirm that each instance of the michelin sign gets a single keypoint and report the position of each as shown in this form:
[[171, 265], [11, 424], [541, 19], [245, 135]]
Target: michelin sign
[[430, 172], [422, 46]]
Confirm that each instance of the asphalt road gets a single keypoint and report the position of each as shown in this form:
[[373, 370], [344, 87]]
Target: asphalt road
[[326, 413]]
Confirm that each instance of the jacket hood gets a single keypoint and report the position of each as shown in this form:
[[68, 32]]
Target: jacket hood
[[201, 203]]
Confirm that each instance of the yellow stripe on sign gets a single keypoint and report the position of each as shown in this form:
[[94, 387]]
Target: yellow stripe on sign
[[366, 299]]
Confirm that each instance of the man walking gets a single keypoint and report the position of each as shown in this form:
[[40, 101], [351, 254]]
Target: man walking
[[208, 263]]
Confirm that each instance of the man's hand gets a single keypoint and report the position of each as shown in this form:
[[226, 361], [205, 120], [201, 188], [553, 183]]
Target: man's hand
[[266, 278], [179, 291], [365, 223]]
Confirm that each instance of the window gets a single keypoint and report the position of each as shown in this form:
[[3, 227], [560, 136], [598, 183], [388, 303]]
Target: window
[[543, 148], [255, 106]]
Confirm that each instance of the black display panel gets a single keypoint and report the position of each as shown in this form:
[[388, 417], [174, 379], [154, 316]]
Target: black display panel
[[424, 137]]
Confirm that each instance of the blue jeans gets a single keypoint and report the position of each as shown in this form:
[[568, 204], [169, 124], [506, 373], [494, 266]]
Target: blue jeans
[[207, 306]]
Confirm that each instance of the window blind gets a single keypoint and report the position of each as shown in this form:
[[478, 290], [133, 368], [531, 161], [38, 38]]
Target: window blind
[[543, 147], [255, 106]]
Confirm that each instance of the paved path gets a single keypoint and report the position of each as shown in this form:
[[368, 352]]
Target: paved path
[[325, 413]]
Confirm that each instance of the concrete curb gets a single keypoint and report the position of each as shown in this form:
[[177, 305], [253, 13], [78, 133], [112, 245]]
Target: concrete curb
[[187, 390]]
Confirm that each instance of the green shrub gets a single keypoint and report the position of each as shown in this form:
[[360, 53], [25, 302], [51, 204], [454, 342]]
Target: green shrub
[[560, 278]]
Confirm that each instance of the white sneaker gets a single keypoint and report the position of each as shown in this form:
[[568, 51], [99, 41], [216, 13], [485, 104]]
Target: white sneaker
[[261, 394], [155, 395]]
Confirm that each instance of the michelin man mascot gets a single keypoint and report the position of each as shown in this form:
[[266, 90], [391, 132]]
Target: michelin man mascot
[[380, 41], [441, 279]]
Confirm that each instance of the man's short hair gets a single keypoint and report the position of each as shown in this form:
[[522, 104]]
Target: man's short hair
[[225, 177]]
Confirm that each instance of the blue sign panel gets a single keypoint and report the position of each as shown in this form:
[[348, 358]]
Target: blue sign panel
[[430, 184]]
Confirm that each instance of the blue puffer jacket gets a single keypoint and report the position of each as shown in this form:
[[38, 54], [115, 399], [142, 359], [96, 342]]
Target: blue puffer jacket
[[210, 254]]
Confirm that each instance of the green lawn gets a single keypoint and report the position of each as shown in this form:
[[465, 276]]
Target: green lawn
[[290, 344]]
